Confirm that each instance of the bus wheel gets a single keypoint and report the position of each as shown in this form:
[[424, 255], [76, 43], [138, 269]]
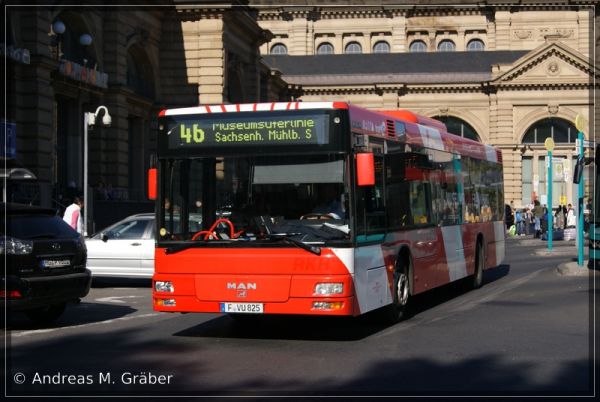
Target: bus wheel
[[477, 278], [399, 309]]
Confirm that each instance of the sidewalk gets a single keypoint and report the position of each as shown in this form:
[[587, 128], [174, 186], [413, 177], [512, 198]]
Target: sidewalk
[[559, 248]]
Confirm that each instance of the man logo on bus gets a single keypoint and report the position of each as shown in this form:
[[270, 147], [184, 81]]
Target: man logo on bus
[[194, 134], [241, 286]]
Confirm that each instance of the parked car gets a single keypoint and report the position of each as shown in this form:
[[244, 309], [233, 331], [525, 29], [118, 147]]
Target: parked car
[[45, 262], [126, 248]]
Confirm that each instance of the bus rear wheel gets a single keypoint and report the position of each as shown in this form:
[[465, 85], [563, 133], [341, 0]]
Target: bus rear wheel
[[477, 278]]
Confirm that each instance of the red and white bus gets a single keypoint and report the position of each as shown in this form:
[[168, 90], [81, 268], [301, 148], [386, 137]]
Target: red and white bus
[[318, 208]]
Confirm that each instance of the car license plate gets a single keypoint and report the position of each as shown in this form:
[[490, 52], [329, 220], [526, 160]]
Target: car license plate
[[55, 263], [243, 308]]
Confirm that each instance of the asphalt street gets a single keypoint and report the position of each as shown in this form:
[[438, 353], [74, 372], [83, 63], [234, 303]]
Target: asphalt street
[[527, 332]]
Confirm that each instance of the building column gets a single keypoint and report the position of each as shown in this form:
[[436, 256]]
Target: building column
[[398, 44]]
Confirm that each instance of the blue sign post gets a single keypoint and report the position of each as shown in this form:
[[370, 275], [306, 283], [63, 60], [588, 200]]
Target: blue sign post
[[580, 125], [580, 209], [549, 144]]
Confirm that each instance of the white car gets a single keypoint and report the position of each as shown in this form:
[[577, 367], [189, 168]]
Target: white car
[[126, 248]]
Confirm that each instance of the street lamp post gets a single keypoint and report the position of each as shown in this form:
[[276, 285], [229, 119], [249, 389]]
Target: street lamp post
[[549, 144], [89, 120]]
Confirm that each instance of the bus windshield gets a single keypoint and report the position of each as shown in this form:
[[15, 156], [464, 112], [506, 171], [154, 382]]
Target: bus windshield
[[254, 198]]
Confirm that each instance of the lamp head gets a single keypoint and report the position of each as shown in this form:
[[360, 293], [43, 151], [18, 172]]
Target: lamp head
[[59, 27], [106, 119]]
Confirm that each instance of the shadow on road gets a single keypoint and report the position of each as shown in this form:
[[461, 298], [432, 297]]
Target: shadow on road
[[75, 314], [327, 328]]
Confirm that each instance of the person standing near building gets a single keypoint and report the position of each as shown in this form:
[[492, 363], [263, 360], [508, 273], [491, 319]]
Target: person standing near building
[[538, 213], [73, 215], [571, 217]]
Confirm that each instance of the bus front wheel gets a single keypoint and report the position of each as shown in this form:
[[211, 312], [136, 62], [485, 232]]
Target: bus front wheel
[[399, 309]]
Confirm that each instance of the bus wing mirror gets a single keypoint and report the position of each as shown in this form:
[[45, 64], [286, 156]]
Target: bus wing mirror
[[152, 183], [578, 171], [365, 169]]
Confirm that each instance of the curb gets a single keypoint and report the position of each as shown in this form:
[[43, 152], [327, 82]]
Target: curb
[[572, 269], [558, 252]]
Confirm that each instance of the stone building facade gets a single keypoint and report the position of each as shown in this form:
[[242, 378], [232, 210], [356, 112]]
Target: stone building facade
[[514, 106], [64, 61]]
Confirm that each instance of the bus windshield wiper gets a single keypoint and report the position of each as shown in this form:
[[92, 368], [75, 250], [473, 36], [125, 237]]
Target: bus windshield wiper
[[286, 237]]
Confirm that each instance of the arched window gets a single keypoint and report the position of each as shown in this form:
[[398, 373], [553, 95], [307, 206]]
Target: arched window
[[325, 48], [381, 47], [279, 48], [446, 46], [417, 46], [353, 48], [475, 45], [558, 129], [458, 126]]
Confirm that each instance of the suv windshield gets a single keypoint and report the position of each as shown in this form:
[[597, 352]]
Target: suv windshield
[[256, 198]]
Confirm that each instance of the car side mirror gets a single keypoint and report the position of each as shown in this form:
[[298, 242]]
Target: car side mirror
[[104, 237]]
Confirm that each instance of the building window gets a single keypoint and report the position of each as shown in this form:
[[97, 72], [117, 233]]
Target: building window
[[561, 131], [475, 45], [353, 48], [279, 48], [418, 46], [381, 47], [325, 48], [446, 46], [527, 177], [457, 126]]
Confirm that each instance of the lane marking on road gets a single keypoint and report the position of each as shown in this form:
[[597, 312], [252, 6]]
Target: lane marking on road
[[115, 299], [89, 324]]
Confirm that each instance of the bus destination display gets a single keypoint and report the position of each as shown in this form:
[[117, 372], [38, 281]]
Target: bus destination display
[[251, 131]]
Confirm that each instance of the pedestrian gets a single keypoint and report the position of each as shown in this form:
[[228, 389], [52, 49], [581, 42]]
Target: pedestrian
[[526, 217], [509, 218], [559, 218], [73, 214], [571, 217], [538, 213], [519, 222]]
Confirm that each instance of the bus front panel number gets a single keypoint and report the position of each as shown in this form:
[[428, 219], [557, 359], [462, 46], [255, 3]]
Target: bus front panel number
[[194, 134]]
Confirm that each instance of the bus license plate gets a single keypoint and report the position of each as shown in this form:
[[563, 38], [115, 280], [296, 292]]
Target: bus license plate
[[243, 308], [55, 263]]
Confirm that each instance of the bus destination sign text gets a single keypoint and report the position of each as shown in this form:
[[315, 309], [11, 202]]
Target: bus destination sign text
[[252, 131]]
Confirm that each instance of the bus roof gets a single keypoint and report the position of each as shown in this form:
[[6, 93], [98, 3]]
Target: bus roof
[[253, 107]]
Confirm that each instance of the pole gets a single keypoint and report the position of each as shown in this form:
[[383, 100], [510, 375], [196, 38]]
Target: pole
[[550, 215], [580, 205], [85, 172]]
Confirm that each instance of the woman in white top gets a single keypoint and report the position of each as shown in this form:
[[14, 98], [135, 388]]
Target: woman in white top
[[73, 215], [571, 217]]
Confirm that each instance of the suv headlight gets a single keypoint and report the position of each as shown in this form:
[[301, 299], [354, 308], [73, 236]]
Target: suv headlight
[[10, 245]]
